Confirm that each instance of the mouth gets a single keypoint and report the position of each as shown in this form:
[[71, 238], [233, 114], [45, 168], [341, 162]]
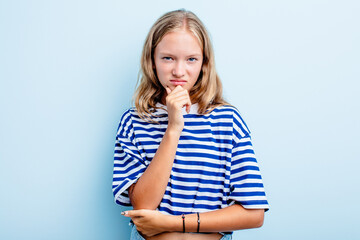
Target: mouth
[[178, 82]]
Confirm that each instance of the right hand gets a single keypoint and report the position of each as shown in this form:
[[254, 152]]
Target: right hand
[[175, 101], [149, 222]]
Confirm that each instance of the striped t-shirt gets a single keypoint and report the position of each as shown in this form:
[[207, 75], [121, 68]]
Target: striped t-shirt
[[214, 165]]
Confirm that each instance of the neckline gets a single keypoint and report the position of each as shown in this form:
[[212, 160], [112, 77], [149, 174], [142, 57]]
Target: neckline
[[161, 108]]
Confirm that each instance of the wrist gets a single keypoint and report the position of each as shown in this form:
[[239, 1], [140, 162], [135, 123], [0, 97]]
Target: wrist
[[173, 131], [173, 223]]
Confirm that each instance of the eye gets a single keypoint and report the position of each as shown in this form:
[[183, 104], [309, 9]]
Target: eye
[[192, 59], [167, 58]]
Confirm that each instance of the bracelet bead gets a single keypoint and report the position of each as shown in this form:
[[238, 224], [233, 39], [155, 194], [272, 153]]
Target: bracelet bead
[[198, 221]]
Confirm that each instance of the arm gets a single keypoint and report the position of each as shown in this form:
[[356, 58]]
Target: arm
[[231, 218], [148, 191]]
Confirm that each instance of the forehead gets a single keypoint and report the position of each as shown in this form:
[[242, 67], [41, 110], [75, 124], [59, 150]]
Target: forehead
[[180, 41]]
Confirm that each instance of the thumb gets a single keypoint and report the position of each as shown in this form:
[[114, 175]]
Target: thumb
[[168, 90]]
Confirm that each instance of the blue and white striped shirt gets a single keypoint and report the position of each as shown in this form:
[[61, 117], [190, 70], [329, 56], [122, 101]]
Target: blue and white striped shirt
[[214, 166]]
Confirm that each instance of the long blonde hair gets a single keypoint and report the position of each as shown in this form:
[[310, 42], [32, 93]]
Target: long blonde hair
[[207, 91]]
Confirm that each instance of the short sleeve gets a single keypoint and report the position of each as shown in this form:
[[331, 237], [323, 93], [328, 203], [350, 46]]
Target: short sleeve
[[246, 185], [128, 163]]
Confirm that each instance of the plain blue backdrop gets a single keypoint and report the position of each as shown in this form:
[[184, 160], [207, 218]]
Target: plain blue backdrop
[[68, 70]]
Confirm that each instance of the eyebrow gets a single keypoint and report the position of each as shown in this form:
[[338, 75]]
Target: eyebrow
[[191, 55]]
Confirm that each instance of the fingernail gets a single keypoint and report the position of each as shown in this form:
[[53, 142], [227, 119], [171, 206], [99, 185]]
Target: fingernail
[[123, 213]]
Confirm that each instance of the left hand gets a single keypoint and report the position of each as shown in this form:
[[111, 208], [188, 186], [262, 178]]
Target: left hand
[[148, 222]]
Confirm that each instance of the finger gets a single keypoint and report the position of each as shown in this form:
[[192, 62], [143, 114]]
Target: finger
[[168, 90], [177, 89], [178, 100], [183, 101], [125, 213], [188, 106], [175, 94], [132, 213], [179, 95]]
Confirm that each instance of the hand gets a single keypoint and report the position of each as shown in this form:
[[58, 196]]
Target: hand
[[175, 101], [148, 222]]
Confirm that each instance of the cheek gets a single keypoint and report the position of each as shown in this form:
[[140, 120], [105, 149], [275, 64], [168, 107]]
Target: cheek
[[162, 69], [195, 72], [162, 73]]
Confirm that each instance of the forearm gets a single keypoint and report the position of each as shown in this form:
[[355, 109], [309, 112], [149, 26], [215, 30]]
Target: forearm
[[150, 188], [232, 218]]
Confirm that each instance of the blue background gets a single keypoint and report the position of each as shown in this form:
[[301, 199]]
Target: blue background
[[68, 70]]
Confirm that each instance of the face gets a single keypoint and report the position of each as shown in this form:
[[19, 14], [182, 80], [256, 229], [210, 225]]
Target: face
[[178, 60]]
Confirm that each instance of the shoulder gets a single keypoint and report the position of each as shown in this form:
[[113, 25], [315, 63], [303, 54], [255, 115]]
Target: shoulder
[[132, 116], [126, 119], [229, 110], [127, 115], [225, 108], [239, 125]]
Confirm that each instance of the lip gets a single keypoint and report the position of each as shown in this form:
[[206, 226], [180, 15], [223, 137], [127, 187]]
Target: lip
[[177, 82]]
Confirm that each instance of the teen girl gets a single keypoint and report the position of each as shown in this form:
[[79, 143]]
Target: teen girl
[[183, 156]]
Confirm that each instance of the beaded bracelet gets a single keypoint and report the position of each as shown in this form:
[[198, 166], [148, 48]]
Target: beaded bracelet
[[198, 221]]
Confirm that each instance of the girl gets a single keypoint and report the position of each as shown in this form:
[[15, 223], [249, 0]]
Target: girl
[[183, 156]]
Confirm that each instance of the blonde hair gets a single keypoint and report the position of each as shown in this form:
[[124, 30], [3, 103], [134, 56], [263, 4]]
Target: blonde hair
[[207, 91]]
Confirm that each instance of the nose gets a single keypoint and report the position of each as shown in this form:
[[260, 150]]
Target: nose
[[179, 69]]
